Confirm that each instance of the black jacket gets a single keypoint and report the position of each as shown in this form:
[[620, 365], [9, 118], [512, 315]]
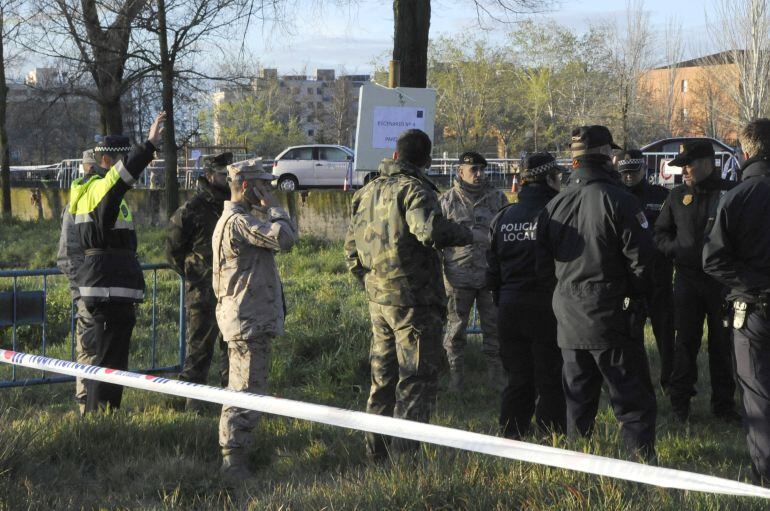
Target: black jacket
[[110, 271], [599, 246], [188, 243], [511, 270], [737, 250], [650, 198], [686, 217]]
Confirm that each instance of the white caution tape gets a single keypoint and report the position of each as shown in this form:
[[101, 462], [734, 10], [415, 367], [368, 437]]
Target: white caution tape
[[429, 433]]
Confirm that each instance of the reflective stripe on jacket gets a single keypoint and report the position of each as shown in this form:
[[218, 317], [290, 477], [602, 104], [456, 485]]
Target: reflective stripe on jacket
[[110, 271]]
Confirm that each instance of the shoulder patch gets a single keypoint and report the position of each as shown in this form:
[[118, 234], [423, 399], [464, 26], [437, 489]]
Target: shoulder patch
[[642, 220]]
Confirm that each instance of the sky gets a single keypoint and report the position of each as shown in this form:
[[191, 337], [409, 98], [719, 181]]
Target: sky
[[352, 38]]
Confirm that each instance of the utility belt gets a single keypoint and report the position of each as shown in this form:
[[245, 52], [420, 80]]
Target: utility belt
[[107, 251], [742, 309]]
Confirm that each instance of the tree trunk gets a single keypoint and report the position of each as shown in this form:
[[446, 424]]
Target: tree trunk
[[410, 40], [111, 116], [169, 135], [5, 156]]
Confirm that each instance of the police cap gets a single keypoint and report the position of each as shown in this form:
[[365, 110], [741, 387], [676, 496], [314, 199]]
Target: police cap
[[113, 144], [691, 151], [538, 164], [631, 161], [587, 137]]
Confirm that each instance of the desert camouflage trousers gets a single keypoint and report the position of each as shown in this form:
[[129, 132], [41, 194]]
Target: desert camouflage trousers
[[249, 368], [404, 358], [459, 309]]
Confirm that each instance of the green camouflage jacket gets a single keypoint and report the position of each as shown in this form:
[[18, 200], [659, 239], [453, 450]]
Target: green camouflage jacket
[[188, 241], [466, 267], [394, 234]]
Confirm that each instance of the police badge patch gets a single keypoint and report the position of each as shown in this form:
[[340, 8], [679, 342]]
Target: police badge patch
[[642, 220], [687, 199]]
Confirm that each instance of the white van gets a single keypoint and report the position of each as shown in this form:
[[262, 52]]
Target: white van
[[317, 165]]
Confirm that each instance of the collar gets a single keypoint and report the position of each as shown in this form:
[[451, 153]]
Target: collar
[[210, 192], [235, 207], [756, 166], [388, 167], [536, 191], [592, 167]]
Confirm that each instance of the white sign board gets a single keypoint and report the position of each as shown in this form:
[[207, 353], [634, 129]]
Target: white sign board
[[390, 121], [383, 114], [667, 172]]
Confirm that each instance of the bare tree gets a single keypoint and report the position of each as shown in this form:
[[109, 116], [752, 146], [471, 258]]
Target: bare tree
[[674, 50], [742, 30], [630, 54], [94, 38], [10, 21]]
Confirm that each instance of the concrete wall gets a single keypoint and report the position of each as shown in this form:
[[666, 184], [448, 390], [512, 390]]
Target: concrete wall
[[322, 213]]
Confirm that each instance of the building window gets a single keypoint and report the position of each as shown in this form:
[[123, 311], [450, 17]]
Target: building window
[[310, 133], [684, 85], [318, 90], [309, 90]]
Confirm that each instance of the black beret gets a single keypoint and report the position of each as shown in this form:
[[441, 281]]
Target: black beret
[[217, 162], [113, 144], [693, 150], [631, 161], [472, 158], [586, 137]]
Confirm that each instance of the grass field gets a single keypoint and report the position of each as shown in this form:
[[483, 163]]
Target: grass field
[[153, 457]]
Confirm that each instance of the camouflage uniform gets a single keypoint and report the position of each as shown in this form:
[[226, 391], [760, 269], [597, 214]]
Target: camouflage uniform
[[250, 308], [391, 246], [465, 273], [188, 250]]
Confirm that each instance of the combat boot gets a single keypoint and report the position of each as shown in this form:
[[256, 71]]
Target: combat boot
[[234, 467], [456, 379]]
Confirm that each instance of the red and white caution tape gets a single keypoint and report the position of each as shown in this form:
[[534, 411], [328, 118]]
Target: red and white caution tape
[[429, 433]]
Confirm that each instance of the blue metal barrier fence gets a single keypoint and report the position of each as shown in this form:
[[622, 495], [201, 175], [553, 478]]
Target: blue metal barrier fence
[[41, 296]]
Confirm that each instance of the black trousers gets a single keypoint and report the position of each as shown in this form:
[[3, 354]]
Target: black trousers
[[532, 361], [752, 360], [202, 336], [660, 308], [625, 371], [113, 326], [694, 300]]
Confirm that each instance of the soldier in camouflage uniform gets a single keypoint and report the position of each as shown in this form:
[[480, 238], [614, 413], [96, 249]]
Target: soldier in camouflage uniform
[[68, 260], [391, 246], [188, 250], [471, 202], [250, 308]]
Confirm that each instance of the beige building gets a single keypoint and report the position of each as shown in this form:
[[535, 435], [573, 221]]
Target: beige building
[[315, 101], [692, 98]]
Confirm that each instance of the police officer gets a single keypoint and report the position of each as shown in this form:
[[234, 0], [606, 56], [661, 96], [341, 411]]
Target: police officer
[[737, 253], [188, 250], [250, 308], [110, 280], [69, 259], [680, 231], [597, 240], [391, 246], [471, 202], [526, 323], [658, 305]]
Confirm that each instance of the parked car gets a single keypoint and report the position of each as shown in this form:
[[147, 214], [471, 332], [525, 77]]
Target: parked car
[[661, 152], [318, 165]]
